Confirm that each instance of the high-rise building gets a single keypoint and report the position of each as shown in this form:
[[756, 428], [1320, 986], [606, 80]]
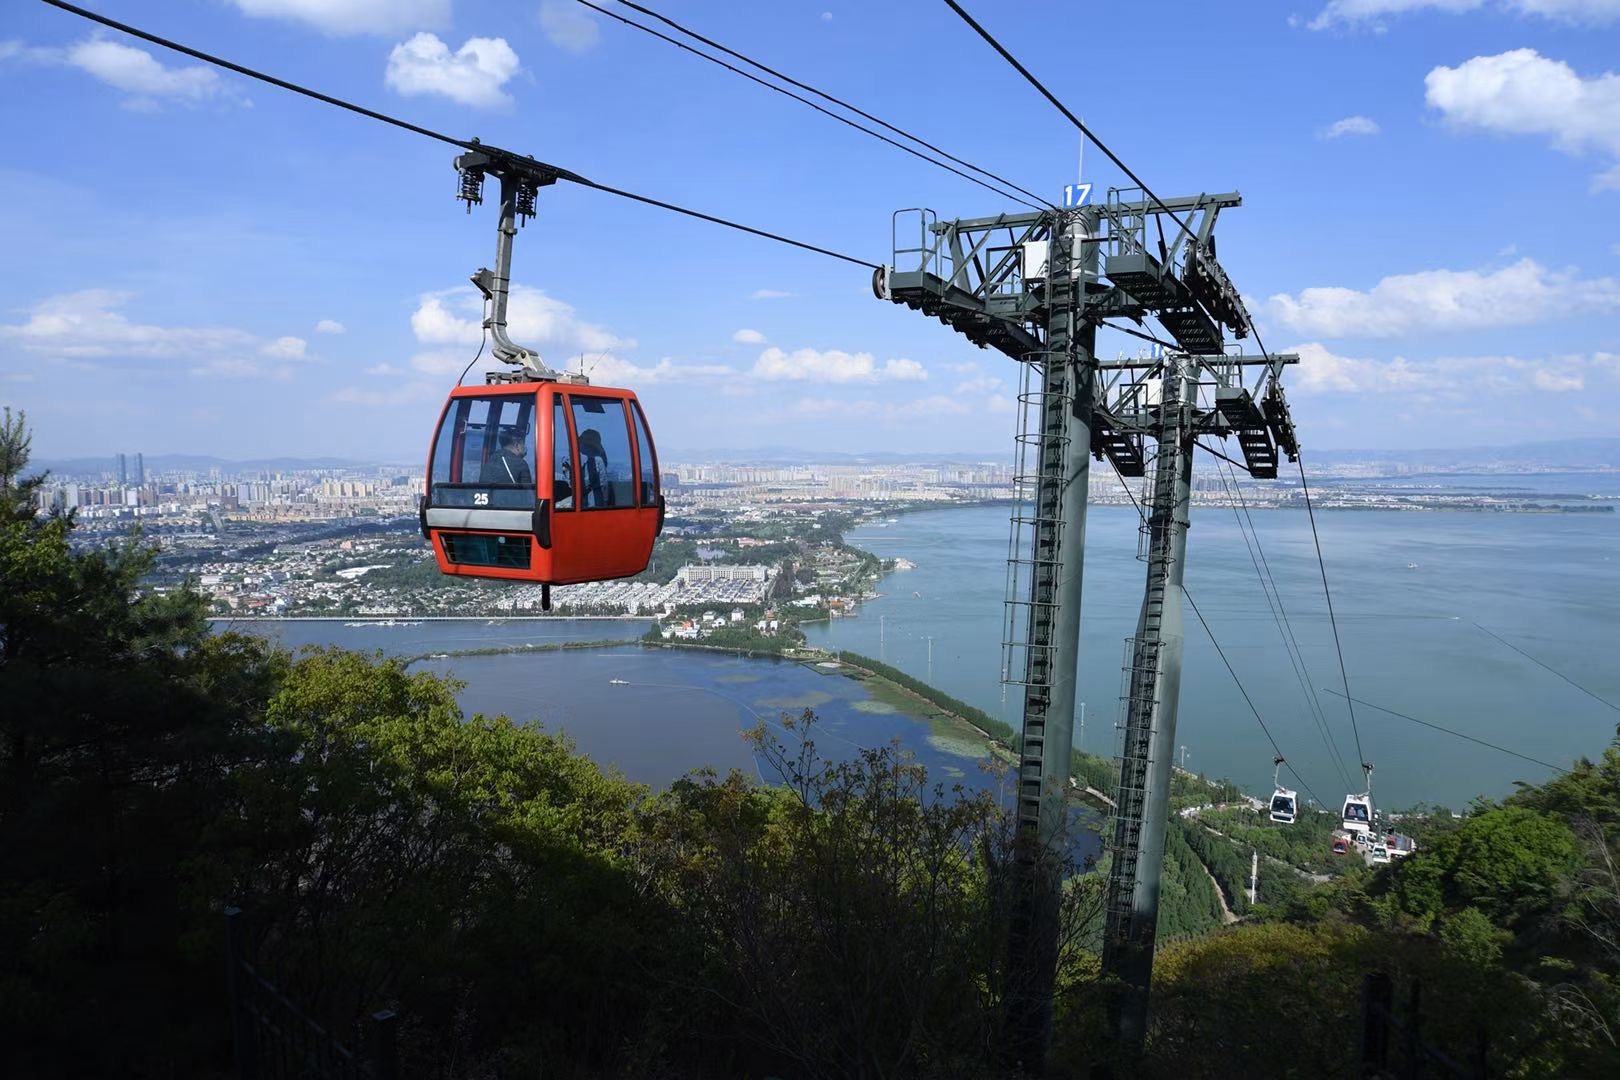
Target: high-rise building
[[123, 471], [140, 470]]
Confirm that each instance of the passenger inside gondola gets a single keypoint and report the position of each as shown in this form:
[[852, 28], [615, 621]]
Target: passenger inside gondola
[[1355, 812], [605, 456], [506, 465]]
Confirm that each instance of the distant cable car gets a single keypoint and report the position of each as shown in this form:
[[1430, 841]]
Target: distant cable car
[[1358, 809], [591, 509], [537, 475], [1284, 803], [1341, 843]]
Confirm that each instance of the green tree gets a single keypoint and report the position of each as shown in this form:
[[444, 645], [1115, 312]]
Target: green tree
[[1472, 937], [121, 720]]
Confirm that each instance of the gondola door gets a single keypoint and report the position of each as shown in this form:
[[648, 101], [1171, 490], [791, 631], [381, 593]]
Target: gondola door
[[606, 508]]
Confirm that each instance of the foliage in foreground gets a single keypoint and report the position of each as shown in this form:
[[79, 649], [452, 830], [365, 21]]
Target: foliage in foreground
[[528, 913], [521, 909]]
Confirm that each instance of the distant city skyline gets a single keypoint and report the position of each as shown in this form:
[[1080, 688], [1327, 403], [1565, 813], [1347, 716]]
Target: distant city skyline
[[197, 261]]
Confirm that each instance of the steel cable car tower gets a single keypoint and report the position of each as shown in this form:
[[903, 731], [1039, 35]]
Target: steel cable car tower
[[1036, 286]]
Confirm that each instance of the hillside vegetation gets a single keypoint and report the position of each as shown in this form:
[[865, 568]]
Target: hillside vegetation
[[528, 913]]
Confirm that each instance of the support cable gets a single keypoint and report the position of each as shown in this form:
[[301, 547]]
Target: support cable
[[1073, 119], [1542, 664], [1321, 564], [417, 129], [1230, 670], [1041, 206], [1452, 731], [1279, 614]]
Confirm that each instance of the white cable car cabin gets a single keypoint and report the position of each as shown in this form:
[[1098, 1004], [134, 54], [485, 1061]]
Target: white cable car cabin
[[1358, 813], [1284, 803]]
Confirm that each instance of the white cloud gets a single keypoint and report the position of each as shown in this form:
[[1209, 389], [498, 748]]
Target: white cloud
[[329, 326], [1321, 371], [1524, 292], [1350, 125], [89, 329], [826, 16], [770, 294], [610, 370], [472, 75], [748, 337], [833, 365], [568, 26], [88, 324], [540, 322], [1559, 381], [534, 320], [134, 71], [981, 385], [904, 370], [1521, 92], [1354, 12], [286, 348], [355, 16]]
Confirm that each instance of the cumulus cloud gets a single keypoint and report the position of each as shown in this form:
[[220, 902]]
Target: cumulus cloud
[[534, 320], [1524, 292], [1350, 125], [1322, 371], [1371, 12], [355, 16], [472, 75], [769, 294], [329, 326], [614, 370], [1521, 92], [147, 81], [286, 348], [833, 365], [89, 327], [568, 26], [449, 324], [748, 337]]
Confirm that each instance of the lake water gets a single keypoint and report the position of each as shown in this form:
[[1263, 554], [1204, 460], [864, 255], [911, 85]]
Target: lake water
[[1548, 583], [678, 709]]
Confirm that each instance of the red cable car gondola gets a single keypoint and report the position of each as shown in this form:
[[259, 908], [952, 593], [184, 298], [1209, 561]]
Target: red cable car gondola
[[537, 475], [550, 482]]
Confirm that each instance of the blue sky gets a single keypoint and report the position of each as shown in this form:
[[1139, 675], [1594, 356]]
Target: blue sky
[[195, 263]]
